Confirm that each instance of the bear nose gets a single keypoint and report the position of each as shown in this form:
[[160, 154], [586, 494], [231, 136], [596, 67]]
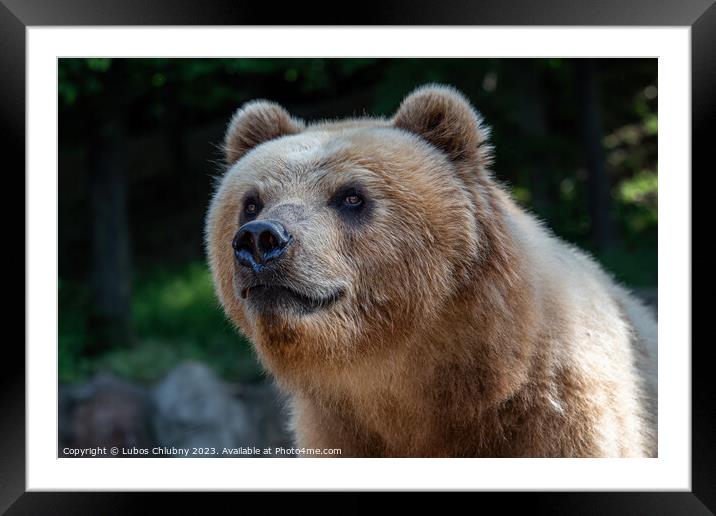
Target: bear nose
[[260, 242]]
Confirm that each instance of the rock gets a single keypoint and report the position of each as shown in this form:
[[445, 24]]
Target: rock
[[190, 408], [193, 408], [267, 414], [106, 411]]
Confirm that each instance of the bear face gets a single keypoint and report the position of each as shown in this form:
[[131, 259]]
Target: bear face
[[375, 222]]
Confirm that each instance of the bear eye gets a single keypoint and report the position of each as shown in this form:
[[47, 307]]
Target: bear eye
[[351, 203], [348, 198], [252, 207], [352, 200]]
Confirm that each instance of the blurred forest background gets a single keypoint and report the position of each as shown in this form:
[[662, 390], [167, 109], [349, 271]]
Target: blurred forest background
[[575, 141]]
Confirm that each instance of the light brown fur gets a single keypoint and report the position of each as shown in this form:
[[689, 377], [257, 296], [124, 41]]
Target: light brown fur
[[465, 328]]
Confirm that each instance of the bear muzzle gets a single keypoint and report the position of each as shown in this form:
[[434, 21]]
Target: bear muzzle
[[260, 243]]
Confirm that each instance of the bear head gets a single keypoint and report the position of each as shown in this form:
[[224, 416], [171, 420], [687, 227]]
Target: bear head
[[333, 243]]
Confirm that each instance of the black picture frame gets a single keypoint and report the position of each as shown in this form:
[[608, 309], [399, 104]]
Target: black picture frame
[[17, 15]]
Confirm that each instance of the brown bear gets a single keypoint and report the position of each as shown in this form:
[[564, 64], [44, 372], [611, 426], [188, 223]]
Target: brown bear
[[408, 306]]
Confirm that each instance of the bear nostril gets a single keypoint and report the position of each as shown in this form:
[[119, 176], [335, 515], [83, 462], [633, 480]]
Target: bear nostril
[[243, 245], [243, 241], [267, 242]]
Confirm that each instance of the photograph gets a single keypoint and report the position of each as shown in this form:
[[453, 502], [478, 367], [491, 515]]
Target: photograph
[[444, 250], [289, 257]]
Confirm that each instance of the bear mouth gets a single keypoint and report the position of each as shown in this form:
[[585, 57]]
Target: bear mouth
[[280, 298]]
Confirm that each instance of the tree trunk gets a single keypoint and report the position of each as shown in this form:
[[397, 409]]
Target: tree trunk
[[109, 315], [532, 122], [602, 227]]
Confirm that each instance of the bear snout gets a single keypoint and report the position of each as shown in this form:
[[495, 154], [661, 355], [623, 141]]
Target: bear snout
[[259, 243]]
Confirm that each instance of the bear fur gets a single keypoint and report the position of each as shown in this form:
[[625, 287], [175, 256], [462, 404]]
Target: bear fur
[[437, 318]]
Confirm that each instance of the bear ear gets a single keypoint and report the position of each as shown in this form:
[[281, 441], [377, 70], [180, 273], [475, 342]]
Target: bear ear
[[254, 123], [445, 118]]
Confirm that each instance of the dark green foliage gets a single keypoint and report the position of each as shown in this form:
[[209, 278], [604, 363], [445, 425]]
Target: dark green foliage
[[175, 315]]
